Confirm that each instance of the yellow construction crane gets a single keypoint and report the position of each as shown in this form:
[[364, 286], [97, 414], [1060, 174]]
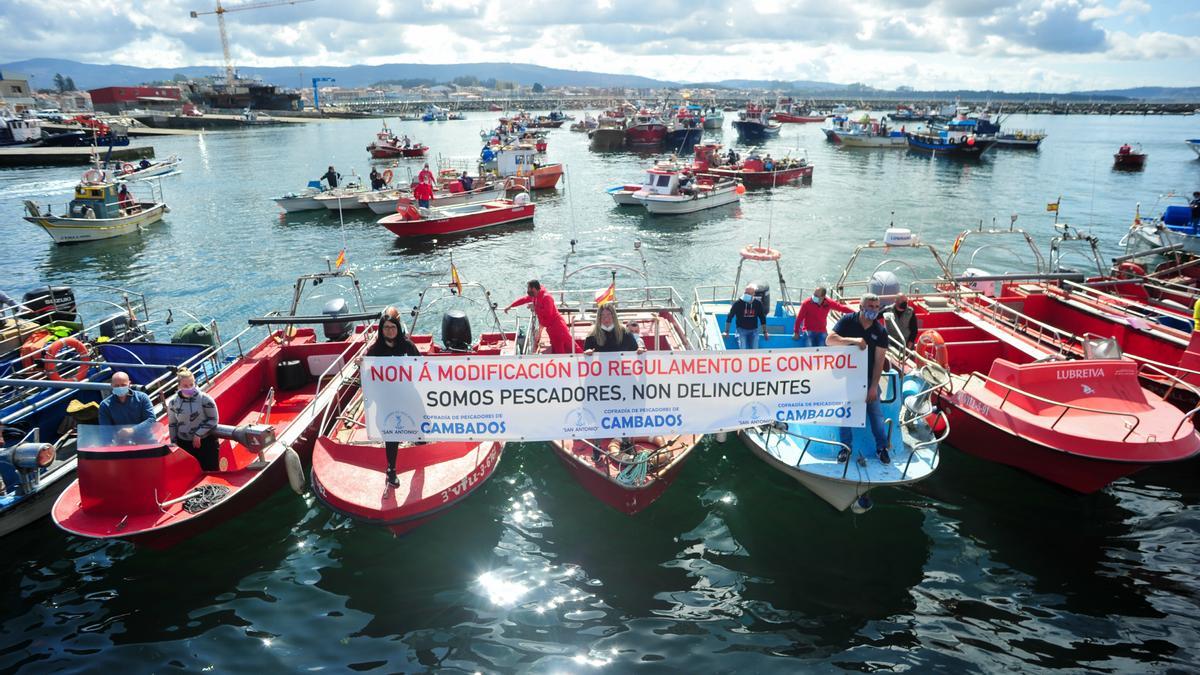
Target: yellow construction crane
[[222, 11]]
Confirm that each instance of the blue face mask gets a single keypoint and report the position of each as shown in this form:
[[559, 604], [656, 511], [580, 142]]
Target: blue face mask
[[871, 314], [120, 391], [818, 299], [747, 298]]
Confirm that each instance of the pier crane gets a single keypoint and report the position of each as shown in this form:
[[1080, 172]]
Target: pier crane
[[221, 11], [317, 96]]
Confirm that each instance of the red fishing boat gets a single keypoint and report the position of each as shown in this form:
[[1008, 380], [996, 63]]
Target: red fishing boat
[[388, 146], [411, 221], [754, 171], [790, 112], [1078, 423], [135, 485], [349, 469], [645, 130], [1129, 158], [627, 474]]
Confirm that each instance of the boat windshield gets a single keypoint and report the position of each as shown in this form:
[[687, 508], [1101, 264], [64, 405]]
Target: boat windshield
[[150, 434]]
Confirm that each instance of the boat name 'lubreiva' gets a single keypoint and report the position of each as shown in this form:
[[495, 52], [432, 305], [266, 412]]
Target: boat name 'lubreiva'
[[1079, 374]]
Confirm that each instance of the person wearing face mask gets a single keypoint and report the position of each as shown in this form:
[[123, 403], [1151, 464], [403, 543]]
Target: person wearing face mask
[[862, 329], [192, 419], [749, 313], [608, 335], [125, 408], [547, 314], [901, 321], [392, 341], [813, 317]]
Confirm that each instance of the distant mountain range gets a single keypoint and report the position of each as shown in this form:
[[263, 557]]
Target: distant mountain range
[[91, 76]]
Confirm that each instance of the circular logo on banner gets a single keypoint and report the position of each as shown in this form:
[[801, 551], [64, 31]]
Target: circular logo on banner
[[397, 422], [754, 412], [580, 420]]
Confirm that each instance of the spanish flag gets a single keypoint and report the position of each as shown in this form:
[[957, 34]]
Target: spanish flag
[[341, 259], [455, 280], [607, 295], [1052, 206]]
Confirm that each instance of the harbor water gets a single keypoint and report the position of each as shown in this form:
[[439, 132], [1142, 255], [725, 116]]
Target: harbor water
[[737, 568]]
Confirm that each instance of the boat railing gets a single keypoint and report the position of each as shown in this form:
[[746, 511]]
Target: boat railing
[[1110, 300], [346, 357], [936, 442], [782, 429], [1186, 419], [1045, 335]]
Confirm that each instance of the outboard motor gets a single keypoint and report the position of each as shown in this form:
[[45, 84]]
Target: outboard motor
[[884, 283], [339, 330], [456, 331], [25, 461], [762, 291], [56, 303], [115, 327]]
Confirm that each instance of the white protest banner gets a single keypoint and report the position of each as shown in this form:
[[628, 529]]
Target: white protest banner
[[544, 397]]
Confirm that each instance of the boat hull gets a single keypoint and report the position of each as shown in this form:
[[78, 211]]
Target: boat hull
[[295, 204], [76, 230], [755, 131], [32, 508], [940, 147], [862, 141], [767, 178], [606, 140], [796, 119], [1018, 143], [1194, 144], [711, 123], [676, 204], [682, 140], [343, 202], [386, 207], [448, 223], [1130, 162], [645, 135], [627, 499]]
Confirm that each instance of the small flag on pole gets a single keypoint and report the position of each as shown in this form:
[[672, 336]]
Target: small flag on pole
[[455, 280], [341, 259], [1052, 206], [607, 295]]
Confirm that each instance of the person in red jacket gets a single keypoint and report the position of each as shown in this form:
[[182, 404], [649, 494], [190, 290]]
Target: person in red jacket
[[813, 317], [423, 193], [561, 341], [425, 176]]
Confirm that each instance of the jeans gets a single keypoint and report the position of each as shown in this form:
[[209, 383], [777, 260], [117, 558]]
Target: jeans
[[816, 338], [747, 338], [875, 421], [423, 203]]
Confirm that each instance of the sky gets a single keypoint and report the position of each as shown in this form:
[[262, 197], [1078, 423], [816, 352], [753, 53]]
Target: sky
[[1011, 45]]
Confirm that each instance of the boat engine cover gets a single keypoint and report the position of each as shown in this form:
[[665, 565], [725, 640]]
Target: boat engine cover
[[337, 330], [253, 436], [57, 301], [456, 331], [884, 283]]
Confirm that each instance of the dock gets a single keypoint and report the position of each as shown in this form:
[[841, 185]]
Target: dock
[[214, 121], [131, 131], [67, 156]]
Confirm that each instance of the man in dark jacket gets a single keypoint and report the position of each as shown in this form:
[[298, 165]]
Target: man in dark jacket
[[749, 314]]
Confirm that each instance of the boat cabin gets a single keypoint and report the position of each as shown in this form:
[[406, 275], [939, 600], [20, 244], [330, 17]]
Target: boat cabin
[[519, 161], [20, 130], [102, 198]]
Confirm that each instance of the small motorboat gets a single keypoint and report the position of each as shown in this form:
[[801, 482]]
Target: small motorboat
[[789, 112], [1194, 144], [949, 144], [304, 200], [808, 452], [96, 212], [714, 118], [624, 195], [677, 192], [754, 124], [865, 133], [627, 474], [754, 171], [522, 165], [448, 193], [1174, 228], [1129, 158], [1014, 400], [412, 221], [387, 145], [134, 484], [644, 130], [151, 169], [1021, 139], [349, 469], [344, 198]]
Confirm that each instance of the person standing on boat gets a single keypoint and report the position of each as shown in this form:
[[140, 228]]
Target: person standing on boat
[[901, 321], [131, 410], [376, 179], [125, 200], [392, 341], [192, 419], [425, 175], [548, 316], [813, 317], [1195, 204], [862, 329], [608, 335], [423, 193], [467, 182], [331, 177], [749, 313]]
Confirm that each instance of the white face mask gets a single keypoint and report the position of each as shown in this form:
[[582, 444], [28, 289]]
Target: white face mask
[[608, 326]]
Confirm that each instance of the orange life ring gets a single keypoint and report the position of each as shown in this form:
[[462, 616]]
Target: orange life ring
[[55, 347], [932, 347], [1128, 270], [752, 252], [387, 177], [32, 346], [128, 168]]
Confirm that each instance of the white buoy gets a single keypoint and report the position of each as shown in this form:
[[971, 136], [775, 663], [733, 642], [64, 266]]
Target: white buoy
[[295, 471]]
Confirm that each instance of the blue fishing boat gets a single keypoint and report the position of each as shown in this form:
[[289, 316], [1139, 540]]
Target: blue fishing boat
[[754, 124], [958, 142], [815, 455]]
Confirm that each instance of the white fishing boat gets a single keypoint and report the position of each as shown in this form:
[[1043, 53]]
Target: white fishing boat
[[304, 200], [97, 212], [343, 198], [1173, 228], [809, 452], [667, 196], [385, 202], [1194, 144], [147, 169]]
